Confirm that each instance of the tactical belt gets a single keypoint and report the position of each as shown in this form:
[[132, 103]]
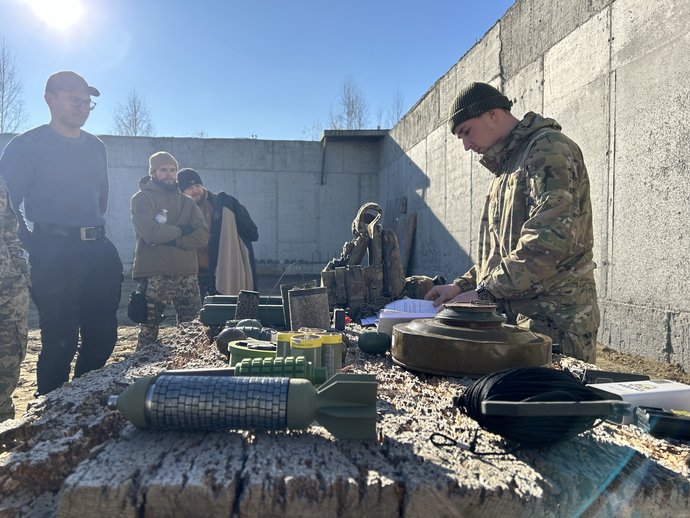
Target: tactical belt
[[75, 233]]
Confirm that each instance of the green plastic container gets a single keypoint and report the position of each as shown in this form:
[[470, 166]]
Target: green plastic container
[[242, 349], [270, 300], [219, 314]]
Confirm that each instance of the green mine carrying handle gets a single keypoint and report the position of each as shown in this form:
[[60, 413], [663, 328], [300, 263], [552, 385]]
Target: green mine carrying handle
[[287, 367]]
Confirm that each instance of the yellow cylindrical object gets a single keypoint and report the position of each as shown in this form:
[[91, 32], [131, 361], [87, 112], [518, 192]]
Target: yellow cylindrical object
[[283, 343], [312, 330], [332, 352], [308, 346]]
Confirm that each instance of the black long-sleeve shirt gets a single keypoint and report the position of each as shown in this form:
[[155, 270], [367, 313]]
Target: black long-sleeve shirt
[[61, 180]]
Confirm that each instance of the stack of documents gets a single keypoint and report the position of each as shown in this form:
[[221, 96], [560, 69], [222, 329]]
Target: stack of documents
[[404, 310]]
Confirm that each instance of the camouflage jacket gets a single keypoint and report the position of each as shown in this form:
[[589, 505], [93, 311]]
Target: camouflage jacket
[[536, 228], [13, 268]]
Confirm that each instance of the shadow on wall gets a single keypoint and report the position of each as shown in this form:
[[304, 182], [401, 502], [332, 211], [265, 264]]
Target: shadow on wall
[[435, 247]]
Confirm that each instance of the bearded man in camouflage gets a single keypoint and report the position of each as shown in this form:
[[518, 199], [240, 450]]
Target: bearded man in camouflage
[[534, 255], [14, 303], [169, 228]]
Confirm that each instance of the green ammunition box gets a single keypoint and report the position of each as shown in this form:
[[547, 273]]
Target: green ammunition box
[[214, 314], [265, 300]]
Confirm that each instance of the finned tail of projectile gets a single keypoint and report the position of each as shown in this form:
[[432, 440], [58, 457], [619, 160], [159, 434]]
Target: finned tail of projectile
[[347, 406]]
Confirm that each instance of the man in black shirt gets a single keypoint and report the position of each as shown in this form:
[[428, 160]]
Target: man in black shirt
[[60, 173]]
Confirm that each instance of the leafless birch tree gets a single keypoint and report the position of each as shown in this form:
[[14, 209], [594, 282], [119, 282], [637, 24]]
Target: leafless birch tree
[[132, 118], [12, 113], [354, 111]]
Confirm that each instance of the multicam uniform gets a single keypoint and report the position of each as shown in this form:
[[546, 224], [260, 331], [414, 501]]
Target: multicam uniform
[[14, 304], [535, 240], [165, 254]]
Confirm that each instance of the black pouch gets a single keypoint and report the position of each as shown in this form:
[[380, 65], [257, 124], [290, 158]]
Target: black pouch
[[137, 309]]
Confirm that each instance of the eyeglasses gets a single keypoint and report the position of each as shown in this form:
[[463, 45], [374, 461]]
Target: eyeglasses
[[77, 102]]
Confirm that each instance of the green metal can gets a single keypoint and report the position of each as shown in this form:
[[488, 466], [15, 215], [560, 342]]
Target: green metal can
[[332, 352], [308, 346], [283, 343]]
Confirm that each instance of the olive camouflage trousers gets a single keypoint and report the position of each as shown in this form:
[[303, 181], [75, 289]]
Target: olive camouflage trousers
[[569, 315], [180, 290]]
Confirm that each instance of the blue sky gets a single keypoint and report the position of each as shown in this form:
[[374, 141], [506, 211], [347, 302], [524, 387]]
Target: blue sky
[[273, 69]]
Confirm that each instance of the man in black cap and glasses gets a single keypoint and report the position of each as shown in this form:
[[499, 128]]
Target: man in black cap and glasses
[[60, 173]]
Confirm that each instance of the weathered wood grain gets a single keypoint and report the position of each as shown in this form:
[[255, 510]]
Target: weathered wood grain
[[70, 456]]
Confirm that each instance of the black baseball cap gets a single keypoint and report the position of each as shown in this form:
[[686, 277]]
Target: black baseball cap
[[68, 81]]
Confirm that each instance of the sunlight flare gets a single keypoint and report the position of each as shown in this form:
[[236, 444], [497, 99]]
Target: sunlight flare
[[57, 13]]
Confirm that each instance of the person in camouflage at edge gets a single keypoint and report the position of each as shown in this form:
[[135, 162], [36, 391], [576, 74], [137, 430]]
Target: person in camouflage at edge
[[534, 254], [14, 304]]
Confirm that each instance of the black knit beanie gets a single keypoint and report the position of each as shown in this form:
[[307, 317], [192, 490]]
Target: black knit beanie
[[187, 177], [474, 100]]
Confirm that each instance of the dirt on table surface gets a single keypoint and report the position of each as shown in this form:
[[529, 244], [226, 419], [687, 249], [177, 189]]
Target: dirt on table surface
[[612, 360], [127, 332], [607, 359]]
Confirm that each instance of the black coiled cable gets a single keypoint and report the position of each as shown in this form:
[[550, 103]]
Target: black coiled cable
[[529, 384]]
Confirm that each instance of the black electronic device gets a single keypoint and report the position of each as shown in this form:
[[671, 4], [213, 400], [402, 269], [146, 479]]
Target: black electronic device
[[588, 376], [662, 423]]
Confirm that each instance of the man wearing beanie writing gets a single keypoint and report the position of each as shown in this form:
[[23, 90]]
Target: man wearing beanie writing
[[169, 229], [534, 255], [226, 265]]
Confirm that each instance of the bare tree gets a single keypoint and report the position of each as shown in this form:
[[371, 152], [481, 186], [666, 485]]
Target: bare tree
[[12, 114], [379, 116], [132, 119], [354, 111], [397, 109], [313, 133], [393, 113]]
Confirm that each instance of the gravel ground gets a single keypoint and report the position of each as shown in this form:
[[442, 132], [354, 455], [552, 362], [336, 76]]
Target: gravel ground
[[608, 359]]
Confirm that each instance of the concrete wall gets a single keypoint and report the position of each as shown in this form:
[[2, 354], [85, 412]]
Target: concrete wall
[[301, 195], [616, 75]]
